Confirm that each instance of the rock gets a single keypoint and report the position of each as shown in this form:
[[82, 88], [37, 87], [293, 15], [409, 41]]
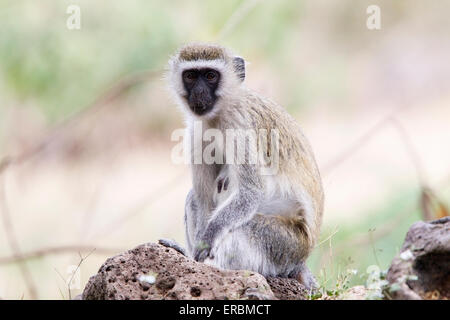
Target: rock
[[355, 293], [287, 289], [152, 271], [422, 269]]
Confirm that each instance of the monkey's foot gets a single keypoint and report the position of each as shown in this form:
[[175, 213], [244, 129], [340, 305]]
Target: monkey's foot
[[222, 184], [172, 244], [306, 278]]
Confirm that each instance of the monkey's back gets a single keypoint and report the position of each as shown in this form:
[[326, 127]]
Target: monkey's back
[[296, 158]]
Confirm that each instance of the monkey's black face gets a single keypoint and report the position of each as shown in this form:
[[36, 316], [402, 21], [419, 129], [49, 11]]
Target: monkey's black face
[[201, 86]]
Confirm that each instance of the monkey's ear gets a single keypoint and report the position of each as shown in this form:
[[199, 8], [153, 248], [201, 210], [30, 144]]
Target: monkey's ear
[[239, 67]]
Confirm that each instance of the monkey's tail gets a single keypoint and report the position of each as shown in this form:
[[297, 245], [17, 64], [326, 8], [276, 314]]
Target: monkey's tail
[[300, 227], [284, 237]]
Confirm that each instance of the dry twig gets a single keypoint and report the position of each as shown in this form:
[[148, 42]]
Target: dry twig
[[14, 243], [115, 91], [39, 253]]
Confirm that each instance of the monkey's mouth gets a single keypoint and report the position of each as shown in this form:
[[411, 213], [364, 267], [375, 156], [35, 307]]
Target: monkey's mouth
[[200, 107]]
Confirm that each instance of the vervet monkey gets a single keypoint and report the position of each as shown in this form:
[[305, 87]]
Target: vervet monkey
[[237, 216]]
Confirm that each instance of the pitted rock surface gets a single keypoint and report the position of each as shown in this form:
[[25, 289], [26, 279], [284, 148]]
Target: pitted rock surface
[[152, 271], [422, 269]]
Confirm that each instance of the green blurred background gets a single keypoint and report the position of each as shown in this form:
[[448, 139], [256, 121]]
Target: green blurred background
[[103, 177]]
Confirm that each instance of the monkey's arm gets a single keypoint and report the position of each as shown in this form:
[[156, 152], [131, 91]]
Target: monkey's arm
[[236, 210]]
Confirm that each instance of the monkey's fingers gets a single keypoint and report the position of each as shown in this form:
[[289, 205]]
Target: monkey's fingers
[[202, 254], [172, 244]]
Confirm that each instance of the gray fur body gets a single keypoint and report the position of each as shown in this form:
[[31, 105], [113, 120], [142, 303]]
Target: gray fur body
[[236, 218]]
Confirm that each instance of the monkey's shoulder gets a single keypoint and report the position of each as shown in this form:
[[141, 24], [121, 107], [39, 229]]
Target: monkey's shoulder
[[264, 113]]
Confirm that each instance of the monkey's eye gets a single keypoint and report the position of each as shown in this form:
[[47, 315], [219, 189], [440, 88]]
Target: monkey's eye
[[211, 76], [190, 76]]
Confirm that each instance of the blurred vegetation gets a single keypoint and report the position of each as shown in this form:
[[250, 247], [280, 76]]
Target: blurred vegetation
[[341, 252], [62, 70], [313, 57]]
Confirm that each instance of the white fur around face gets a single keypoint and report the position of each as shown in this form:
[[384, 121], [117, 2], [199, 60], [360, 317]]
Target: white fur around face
[[228, 85]]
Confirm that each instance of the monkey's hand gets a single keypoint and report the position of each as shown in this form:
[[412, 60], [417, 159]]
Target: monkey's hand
[[203, 250], [172, 244]]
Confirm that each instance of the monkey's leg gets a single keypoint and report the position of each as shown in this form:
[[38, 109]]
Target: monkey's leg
[[305, 277], [270, 245], [191, 220], [190, 216]]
